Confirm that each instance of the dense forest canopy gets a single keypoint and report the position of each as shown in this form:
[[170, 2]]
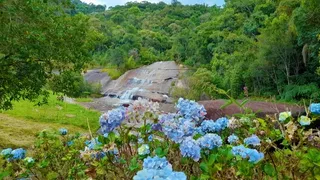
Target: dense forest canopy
[[269, 46]]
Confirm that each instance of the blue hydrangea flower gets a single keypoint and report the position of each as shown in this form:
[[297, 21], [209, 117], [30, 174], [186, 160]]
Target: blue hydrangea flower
[[210, 141], [93, 143], [233, 139], [63, 131], [70, 143], [304, 121], [155, 163], [190, 148], [253, 155], [156, 127], [144, 149], [150, 137], [209, 126], [177, 129], [240, 151], [140, 141], [6, 152], [315, 108], [18, 153], [252, 140], [112, 119], [191, 109], [158, 168], [105, 135]]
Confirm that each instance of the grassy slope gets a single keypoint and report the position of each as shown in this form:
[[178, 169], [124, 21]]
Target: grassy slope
[[18, 126], [15, 132]]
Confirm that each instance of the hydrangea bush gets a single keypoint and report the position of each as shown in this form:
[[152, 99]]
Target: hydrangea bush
[[140, 142]]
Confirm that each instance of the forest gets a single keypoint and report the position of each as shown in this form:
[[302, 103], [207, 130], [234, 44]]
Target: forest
[[246, 51]]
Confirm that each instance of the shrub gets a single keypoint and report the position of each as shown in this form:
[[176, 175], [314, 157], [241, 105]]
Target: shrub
[[140, 142]]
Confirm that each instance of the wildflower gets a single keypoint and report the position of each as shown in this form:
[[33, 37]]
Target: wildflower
[[315, 108], [144, 149], [191, 109], [112, 119], [190, 148], [284, 115], [304, 121], [252, 140], [6, 152], [233, 139], [18, 153], [210, 141], [63, 131]]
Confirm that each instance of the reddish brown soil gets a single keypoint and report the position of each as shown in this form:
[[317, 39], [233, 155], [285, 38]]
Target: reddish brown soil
[[261, 109]]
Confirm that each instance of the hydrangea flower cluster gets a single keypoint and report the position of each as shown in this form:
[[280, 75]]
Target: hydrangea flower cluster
[[191, 109], [284, 115], [315, 108], [253, 155], [190, 148], [158, 168], [15, 154], [304, 121], [208, 126], [144, 149], [175, 128], [252, 140], [210, 141], [63, 131], [233, 139], [139, 108], [112, 119], [28, 160]]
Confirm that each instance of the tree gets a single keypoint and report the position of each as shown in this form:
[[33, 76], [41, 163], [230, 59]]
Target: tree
[[37, 39]]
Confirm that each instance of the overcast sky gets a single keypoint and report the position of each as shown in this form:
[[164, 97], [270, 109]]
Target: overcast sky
[[122, 2]]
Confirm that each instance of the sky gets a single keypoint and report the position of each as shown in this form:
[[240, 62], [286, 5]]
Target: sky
[[109, 3]]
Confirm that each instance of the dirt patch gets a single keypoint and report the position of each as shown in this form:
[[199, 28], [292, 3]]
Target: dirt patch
[[261, 109]]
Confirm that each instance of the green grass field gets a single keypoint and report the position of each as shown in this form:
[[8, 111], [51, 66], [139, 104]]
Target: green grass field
[[19, 125]]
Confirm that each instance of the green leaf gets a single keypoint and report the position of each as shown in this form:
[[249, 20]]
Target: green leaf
[[159, 152], [133, 164], [204, 167], [269, 169]]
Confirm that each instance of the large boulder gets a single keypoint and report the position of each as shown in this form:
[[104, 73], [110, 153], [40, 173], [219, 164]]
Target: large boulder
[[214, 110]]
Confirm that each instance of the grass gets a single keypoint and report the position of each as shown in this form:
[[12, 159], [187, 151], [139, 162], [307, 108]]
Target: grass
[[114, 73], [55, 112], [84, 99], [16, 132]]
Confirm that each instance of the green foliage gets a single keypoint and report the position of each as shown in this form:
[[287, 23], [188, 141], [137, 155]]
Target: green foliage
[[46, 41], [55, 111]]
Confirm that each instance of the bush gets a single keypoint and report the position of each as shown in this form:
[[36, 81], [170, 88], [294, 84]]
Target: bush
[[176, 145]]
